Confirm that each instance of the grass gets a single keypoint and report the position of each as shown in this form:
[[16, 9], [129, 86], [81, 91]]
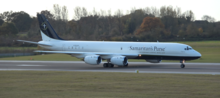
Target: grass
[[209, 50], [46, 57], [17, 48], [57, 84]]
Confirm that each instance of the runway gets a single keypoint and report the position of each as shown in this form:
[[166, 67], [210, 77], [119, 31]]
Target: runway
[[142, 67]]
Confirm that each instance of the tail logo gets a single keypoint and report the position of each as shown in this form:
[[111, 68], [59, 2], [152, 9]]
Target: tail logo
[[44, 26]]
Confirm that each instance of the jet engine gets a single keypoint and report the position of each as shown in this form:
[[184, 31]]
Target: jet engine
[[93, 59], [119, 60], [153, 60]]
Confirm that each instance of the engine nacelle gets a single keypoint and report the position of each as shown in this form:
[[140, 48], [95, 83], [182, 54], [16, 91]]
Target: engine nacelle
[[93, 59], [119, 60], [153, 60]]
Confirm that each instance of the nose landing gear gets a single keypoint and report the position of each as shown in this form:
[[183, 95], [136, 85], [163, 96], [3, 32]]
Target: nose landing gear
[[182, 63]]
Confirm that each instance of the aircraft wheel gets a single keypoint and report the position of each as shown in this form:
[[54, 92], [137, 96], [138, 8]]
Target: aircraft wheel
[[182, 65], [126, 65], [110, 65], [105, 65]]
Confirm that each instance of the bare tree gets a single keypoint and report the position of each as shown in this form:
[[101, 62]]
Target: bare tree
[[84, 12], [60, 13], [102, 13], [133, 9], [171, 11], [147, 11], [109, 13], [119, 13], [163, 11], [47, 14], [189, 15], [78, 13], [168, 11], [208, 18], [57, 11], [64, 13], [155, 11], [178, 12], [94, 12]]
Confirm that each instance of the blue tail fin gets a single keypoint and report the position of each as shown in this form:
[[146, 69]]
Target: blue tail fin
[[46, 28]]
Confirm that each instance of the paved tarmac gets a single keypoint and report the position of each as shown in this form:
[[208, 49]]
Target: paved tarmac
[[142, 67]]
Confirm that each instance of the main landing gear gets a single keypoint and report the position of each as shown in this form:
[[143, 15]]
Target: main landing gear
[[182, 63], [126, 65], [110, 65]]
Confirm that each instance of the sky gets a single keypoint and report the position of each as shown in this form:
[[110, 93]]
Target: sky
[[199, 7]]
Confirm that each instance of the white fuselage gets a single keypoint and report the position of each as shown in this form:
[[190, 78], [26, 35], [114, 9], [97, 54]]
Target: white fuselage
[[123, 48]]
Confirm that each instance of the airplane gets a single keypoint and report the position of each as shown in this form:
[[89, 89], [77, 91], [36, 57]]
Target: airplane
[[116, 53]]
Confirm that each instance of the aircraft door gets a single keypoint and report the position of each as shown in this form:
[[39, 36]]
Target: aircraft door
[[63, 47]]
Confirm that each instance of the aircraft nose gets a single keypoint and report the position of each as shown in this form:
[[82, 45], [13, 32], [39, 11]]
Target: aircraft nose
[[198, 54]]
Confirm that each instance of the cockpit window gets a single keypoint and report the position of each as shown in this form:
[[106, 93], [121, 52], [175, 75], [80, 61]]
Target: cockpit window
[[188, 48]]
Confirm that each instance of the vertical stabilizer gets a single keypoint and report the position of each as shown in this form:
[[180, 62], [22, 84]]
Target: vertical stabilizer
[[46, 28], [45, 37]]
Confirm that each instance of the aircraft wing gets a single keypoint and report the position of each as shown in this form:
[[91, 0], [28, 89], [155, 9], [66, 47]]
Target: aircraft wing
[[87, 53], [44, 44]]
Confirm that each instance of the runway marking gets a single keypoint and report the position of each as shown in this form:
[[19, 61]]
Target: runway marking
[[29, 65], [160, 72]]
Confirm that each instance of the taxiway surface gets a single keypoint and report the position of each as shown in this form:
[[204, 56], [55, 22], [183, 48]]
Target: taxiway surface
[[142, 67]]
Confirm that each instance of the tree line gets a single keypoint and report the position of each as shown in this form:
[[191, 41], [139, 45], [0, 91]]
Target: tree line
[[148, 24]]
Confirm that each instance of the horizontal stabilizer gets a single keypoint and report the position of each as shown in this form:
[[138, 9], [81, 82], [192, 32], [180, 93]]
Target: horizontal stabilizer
[[31, 42]]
